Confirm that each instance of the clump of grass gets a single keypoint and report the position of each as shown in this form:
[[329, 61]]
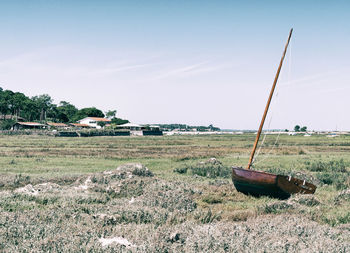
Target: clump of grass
[[212, 199], [181, 170], [306, 200], [339, 180], [207, 217], [301, 152], [336, 219], [20, 180], [322, 166], [127, 189], [218, 182], [343, 196], [211, 169], [276, 207], [142, 172]]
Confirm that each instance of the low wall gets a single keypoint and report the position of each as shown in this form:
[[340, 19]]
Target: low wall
[[150, 132]]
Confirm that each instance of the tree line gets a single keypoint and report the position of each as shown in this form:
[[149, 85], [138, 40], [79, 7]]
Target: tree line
[[41, 109], [297, 128], [187, 127]]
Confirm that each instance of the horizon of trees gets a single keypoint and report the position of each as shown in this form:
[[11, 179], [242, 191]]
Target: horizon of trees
[[41, 108], [188, 127], [297, 128]]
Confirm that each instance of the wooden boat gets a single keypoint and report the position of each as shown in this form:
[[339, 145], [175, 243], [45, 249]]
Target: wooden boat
[[259, 183]]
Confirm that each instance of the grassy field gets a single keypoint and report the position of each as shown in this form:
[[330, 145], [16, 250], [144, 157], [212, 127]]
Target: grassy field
[[57, 196]]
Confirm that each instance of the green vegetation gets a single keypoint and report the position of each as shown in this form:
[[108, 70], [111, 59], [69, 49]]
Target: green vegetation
[[297, 128], [210, 169], [40, 108], [65, 194]]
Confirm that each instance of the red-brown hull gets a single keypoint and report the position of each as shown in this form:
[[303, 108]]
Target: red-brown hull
[[259, 183]]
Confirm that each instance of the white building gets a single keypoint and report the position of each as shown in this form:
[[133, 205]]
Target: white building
[[93, 121], [135, 129]]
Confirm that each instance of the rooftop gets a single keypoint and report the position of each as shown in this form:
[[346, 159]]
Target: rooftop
[[80, 125], [57, 124], [98, 119], [30, 124]]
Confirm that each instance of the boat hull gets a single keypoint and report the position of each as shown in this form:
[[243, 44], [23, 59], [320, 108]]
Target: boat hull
[[259, 183]]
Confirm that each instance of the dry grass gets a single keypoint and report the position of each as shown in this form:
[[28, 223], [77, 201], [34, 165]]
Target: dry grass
[[64, 194]]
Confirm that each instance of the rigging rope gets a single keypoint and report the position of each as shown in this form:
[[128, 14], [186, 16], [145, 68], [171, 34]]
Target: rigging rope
[[274, 101]]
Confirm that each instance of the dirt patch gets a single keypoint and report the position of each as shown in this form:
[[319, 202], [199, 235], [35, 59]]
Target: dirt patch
[[38, 189], [118, 240]]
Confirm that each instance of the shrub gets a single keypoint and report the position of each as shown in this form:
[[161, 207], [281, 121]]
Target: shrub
[[7, 124], [20, 180], [211, 169], [333, 165], [181, 170], [339, 180]]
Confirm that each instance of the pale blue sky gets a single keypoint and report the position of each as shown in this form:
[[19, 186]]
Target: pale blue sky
[[192, 62]]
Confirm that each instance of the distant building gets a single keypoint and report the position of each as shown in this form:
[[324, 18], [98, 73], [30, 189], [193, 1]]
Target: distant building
[[78, 125], [130, 126], [93, 121], [57, 125], [27, 125], [136, 129]]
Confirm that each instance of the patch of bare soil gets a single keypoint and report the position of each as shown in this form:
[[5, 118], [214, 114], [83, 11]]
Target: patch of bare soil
[[38, 189]]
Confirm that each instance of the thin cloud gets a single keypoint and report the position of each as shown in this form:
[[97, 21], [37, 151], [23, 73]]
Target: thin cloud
[[334, 90], [314, 78], [107, 71], [192, 69], [44, 61]]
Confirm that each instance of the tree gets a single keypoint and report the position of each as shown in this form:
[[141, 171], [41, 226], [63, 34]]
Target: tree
[[6, 102], [66, 111], [101, 123], [30, 111], [88, 112], [303, 129], [297, 128], [111, 114], [18, 102], [7, 124], [43, 103], [53, 113], [119, 121], [3, 103]]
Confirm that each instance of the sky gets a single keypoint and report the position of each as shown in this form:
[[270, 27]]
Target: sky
[[191, 62]]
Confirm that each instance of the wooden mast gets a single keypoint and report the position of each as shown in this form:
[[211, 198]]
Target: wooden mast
[[269, 101]]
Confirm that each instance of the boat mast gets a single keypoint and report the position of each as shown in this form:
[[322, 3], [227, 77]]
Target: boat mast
[[269, 101]]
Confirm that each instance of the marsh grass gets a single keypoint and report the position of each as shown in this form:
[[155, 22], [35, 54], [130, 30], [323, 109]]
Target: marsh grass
[[187, 205], [210, 170]]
